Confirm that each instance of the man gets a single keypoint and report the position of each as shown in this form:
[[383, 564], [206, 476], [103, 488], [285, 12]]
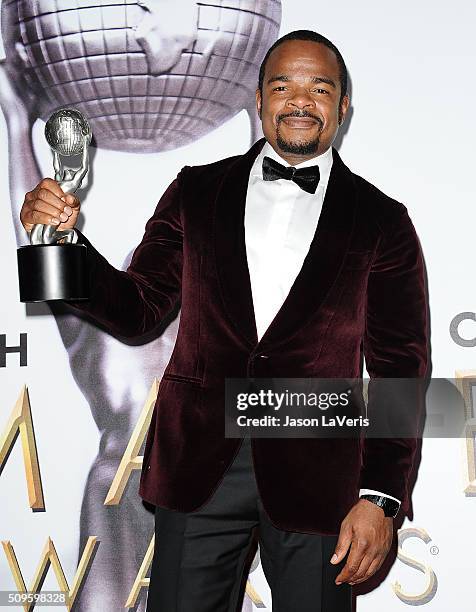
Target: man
[[280, 272]]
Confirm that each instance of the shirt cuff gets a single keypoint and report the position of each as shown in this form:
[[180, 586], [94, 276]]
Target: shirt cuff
[[75, 237], [373, 492]]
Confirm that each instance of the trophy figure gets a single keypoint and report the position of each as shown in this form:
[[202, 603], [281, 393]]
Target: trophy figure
[[51, 267]]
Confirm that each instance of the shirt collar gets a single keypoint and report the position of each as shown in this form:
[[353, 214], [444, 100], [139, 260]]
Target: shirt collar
[[324, 161]]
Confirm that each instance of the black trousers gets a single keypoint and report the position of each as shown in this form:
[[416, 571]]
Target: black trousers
[[202, 558]]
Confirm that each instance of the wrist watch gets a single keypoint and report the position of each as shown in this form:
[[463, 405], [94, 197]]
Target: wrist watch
[[388, 505]]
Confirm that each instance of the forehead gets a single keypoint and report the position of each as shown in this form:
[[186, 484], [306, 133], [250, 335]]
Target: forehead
[[298, 57]]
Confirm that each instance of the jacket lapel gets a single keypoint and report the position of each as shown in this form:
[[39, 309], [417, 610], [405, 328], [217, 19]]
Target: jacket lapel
[[321, 265], [230, 246]]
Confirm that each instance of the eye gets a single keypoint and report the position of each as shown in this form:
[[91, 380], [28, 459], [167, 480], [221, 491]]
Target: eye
[[319, 90], [279, 88]]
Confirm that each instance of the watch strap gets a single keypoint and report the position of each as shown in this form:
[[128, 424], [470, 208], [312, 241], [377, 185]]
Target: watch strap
[[388, 505]]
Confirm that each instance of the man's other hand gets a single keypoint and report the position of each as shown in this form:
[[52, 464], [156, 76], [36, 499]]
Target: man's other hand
[[369, 534]]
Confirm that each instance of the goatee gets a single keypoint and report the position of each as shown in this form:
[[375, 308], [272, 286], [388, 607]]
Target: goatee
[[297, 148]]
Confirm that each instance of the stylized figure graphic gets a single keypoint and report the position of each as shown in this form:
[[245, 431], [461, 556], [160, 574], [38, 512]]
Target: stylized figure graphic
[[149, 77], [165, 32]]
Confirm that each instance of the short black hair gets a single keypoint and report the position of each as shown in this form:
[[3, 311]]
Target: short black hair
[[314, 37]]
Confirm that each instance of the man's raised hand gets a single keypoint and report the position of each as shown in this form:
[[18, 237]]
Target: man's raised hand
[[49, 205]]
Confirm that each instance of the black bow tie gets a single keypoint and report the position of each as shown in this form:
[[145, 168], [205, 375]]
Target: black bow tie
[[307, 178]]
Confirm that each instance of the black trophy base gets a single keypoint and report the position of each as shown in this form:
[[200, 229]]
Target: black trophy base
[[53, 272]]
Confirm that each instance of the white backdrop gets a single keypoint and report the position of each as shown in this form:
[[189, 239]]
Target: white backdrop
[[411, 133]]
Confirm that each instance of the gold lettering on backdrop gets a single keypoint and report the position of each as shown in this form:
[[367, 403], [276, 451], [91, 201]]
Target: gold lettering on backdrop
[[254, 595], [432, 586], [130, 459], [21, 422], [49, 556], [141, 581], [466, 382]]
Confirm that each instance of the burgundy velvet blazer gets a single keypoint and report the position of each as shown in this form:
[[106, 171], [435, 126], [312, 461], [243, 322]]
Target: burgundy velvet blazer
[[360, 291]]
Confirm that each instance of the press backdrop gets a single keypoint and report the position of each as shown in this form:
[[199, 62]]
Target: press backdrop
[[168, 84]]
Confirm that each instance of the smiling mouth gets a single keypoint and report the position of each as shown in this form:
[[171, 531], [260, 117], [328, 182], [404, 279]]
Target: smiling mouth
[[299, 122], [303, 122]]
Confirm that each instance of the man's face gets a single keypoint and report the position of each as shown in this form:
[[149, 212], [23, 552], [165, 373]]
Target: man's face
[[299, 107]]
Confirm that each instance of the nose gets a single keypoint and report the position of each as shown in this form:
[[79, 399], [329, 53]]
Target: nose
[[300, 99]]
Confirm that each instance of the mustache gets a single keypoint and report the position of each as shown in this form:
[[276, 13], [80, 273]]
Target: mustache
[[301, 114]]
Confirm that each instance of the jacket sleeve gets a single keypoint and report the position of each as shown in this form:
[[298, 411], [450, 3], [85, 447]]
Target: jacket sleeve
[[133, 302], [395, 347]]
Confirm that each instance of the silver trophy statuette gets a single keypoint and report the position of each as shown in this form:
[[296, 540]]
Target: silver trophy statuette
[[47, 268], [68, 133]]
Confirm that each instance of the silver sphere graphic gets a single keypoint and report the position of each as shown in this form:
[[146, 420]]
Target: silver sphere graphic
[[150, 75], [65, 131]]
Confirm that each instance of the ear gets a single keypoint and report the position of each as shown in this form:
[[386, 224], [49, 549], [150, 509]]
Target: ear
[[258, 102], [343, 108]]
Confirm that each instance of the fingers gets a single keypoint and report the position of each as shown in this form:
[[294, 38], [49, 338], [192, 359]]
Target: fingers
[[367, 569], [46, 213], [48, 204], [71, 200], [357, 553], [359, 569], [45, 196], [367, 553], [343, 543], [50, 185]]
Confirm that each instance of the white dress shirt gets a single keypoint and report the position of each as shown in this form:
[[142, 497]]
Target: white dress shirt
[[280, 222]]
